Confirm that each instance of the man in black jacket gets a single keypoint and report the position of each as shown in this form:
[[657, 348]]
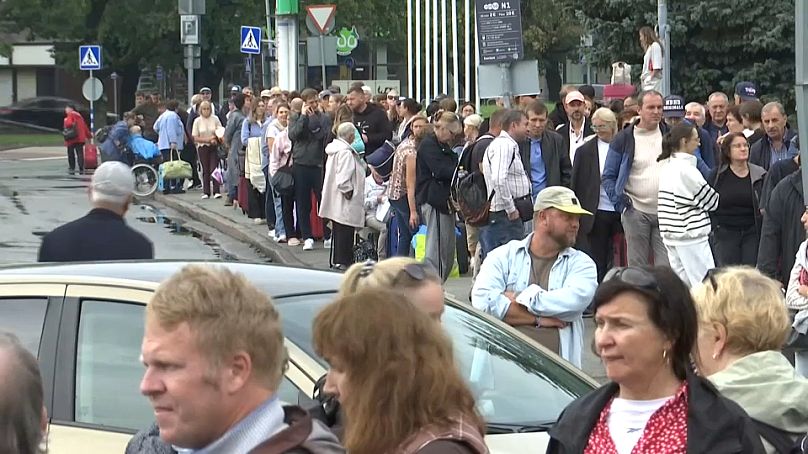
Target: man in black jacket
[[559, 115], [307, 132], [102, 234], [435, 166], [544, 154], [370, 120], [578, 126], [777, 144], [782, 231]]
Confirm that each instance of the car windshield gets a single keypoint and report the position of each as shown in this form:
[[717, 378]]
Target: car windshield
[[506, 374]]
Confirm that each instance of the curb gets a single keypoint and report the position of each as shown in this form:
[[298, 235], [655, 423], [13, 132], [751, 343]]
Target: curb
[[232, 229]]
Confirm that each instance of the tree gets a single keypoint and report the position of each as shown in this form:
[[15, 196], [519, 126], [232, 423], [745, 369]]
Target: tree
[[715, 43]]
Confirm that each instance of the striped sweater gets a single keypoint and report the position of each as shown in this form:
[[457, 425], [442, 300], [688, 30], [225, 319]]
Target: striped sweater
[[685, 199]]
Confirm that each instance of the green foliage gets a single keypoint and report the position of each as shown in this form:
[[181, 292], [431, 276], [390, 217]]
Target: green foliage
[[715, 43]]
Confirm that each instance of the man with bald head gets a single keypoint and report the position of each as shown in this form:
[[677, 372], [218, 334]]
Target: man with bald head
[[776, 145], [23, 417]]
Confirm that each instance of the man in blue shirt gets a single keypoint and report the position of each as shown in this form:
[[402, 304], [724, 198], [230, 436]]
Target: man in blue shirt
[[541, 285], [544, 152]]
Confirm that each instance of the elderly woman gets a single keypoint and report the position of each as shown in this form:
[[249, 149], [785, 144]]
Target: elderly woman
[[343, 194], [232, 138], [596, 233], [646, 329], [742, 325], [203, 132], [471, 129], [392, 369]]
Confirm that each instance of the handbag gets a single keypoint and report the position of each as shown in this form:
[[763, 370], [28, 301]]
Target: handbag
[[70, 133], [524, 205], [221, 151], [283, 182], [176, 169]]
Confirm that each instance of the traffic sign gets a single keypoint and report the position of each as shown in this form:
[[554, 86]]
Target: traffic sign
[[189, 29], [322, 17], [499, 31], [250, 39], [158, 74], [89, 58], [92, 89]]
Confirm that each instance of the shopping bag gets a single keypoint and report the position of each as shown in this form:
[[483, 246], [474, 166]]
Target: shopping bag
[[419, 246], [176, 169]]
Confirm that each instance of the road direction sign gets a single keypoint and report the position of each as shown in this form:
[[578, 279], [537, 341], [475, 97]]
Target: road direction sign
[[92, 89], [90, 58], [499, 31], [250, 39], [321, 17]]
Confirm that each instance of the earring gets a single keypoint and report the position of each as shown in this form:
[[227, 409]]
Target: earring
[[665, 355], [714, 356]]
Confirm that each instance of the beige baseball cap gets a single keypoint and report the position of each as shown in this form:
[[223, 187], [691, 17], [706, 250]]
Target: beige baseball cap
[[560, 198]]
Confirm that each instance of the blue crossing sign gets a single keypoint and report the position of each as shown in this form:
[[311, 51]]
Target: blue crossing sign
[[90, 58], [250, 39]]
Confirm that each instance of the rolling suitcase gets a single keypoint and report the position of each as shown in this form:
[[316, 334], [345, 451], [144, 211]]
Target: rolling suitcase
[[317, 230], [90, 156]]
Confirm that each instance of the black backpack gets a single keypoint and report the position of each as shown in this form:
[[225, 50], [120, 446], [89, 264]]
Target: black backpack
[[782, 441]]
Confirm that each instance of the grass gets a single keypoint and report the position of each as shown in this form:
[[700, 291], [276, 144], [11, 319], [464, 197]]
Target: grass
[[10, 141]]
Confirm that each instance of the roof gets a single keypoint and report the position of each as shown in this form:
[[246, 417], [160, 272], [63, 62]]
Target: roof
[[274, 279]]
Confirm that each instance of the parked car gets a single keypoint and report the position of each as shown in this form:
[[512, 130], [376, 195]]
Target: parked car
[[45, 111], [85, 323]]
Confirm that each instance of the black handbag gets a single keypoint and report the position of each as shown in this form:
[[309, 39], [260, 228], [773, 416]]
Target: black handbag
[[283, 182], [70, 133], [524, 205], [221, 151]]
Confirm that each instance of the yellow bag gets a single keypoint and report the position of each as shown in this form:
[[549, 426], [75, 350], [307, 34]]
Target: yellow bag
[[419, 243]]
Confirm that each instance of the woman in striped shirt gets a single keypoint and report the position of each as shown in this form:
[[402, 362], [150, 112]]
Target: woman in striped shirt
[[685, 200]]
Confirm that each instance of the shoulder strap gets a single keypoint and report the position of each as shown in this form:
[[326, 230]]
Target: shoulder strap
[[782, 441]]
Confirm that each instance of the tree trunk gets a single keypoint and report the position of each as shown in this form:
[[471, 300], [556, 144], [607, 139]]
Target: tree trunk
[[129, 76], [553, 77]]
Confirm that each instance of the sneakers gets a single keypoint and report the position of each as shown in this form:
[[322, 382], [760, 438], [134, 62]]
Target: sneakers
[[271, 233], [205, 196], [327, 243], [217, 196], [281, 239], [258, 221], [294, 242], [308, 245], [228, 202]]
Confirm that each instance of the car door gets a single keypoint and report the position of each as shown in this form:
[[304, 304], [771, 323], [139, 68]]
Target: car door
[[97, 403]]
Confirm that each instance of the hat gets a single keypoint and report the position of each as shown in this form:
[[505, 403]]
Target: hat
[[560, 198], [275, 91], [325, 94], [266, 94], [574, 95], [473, 120], [673, 107], [367, 90], [747, 91], [235, 88], [113, 179], [205, 89]]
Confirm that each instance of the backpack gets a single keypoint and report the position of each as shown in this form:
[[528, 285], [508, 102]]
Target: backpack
[[102, 134], [782, 441], [469, 192]]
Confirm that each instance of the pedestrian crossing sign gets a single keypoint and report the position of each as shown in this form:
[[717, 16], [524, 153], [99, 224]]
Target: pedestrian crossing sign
[[250, 39], [89, 58]]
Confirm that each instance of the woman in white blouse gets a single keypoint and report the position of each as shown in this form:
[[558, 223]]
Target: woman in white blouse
[[204, 135]]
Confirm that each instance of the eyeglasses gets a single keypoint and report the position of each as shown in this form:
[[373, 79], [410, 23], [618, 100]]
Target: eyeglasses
[[597, 128], [636, 277], [416, 272], [392, 98]]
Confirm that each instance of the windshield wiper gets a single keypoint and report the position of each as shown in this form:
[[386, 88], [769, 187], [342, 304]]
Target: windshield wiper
[[495, 428]]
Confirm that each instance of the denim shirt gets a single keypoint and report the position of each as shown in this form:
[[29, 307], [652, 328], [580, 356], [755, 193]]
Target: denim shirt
[[259, 426], [572, 284], [169, 128], [538, 173]]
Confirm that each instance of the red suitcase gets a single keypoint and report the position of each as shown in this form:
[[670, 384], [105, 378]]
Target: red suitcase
[[90, 156], [316, 221]]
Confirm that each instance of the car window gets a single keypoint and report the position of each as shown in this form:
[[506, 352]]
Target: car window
[[506, 374], [24, 317], [108, 367]]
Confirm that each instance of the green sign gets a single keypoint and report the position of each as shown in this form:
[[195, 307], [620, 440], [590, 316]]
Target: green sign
[[347, 40], [286, 7]]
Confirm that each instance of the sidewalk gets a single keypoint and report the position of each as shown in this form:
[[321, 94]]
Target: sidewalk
[[234, 223]]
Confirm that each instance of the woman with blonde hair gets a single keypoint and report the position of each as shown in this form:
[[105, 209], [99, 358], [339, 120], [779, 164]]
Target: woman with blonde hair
[[387, 355], [203, 133], [743, 323], [406, 276]]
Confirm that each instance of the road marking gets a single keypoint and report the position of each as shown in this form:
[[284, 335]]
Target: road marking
[[50, 158]]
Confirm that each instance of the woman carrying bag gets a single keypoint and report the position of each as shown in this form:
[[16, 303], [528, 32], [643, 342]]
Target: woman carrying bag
[[76, 134], [206, 142]]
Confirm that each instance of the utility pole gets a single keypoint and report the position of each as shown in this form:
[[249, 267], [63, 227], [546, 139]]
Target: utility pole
[[267, 62], [665, 37], [801, 88]]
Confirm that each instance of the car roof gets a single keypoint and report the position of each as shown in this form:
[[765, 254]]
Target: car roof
[[275, 280]]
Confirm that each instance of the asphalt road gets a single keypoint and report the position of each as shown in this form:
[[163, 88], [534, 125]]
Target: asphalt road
[[37, 195]]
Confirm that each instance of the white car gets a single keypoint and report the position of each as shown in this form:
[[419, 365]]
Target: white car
[[85, 323]]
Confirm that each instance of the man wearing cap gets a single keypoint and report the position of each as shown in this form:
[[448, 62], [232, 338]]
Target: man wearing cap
[[745, 92], [541, 285], [325, 98], [717, 104], [559, 116], [673, 111], [631, 180], [578, 126], [102, 234]]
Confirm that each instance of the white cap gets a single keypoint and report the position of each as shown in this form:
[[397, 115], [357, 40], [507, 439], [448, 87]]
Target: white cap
[[367, 90], [113, 180]]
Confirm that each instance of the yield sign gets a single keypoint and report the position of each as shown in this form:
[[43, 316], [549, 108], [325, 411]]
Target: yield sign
[[322, 16]]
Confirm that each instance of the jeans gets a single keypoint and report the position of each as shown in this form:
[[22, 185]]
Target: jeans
[[405, 233], [736, 247], [440, 240], [500, 230], [269, 203], [642, 238], [75, 153], [307, 179]]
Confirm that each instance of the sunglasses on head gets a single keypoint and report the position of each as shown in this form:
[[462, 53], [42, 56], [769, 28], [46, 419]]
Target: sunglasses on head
[[636, 277], [416, 272]]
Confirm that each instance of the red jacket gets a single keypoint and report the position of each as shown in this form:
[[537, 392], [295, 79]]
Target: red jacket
[[75, 118]]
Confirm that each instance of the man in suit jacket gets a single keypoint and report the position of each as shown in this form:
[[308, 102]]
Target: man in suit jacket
[[544, 156], [102, 234]]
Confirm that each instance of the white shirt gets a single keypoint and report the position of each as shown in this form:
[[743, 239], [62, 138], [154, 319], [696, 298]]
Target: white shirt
[[604, 204], [652, 61], [627, 420], [576, 141]]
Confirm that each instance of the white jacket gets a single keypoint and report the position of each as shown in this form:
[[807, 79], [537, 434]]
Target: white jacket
[[794, 300], [344, 175], [685, 199]]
